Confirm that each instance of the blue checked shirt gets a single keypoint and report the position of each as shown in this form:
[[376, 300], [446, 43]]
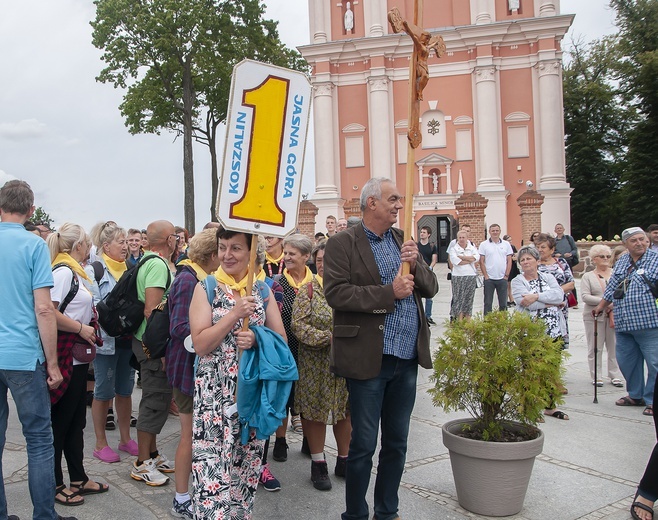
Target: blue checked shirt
[[637, 310], [400, 326]]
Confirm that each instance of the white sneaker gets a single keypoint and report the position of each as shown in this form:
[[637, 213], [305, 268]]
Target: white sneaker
[[148, 473], [163, 464]]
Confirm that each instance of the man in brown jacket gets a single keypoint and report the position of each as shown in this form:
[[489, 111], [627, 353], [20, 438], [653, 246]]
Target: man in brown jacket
[[380, 337]]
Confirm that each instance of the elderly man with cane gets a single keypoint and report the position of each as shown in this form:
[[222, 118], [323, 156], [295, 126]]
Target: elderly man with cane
[[633, 290]]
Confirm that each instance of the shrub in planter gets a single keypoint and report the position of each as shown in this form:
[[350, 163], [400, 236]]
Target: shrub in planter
[[500, 368]]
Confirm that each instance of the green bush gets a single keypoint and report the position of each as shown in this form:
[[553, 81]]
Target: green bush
[[500, 368]]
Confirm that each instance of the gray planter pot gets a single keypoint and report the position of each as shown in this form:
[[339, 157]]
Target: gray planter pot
[[491, 477]]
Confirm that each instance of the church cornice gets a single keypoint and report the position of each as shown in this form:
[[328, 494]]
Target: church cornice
[[457, 39]]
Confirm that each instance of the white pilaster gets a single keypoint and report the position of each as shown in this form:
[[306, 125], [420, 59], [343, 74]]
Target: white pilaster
[[550, 123], [556, 208], [547, 8], [448, 180], [318, 22], [487, 131], [380, 126], [420, 180], [326, 173], [496, 210], [374, 16]]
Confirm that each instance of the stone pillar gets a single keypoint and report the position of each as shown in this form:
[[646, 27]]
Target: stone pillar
[[487, 137], [530, 203], [421, 191], [306, 218], [352, 208], [380, 127], [550, 117], [374, 14], [325, 168], [483, 14], [318, 22], [448, 180], [547, 8], [470, 210]]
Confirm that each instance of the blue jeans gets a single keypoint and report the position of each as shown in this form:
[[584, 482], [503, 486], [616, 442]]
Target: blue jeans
[[500, 286], [388, 398], [634, 348], [428, 307], [30, 394]]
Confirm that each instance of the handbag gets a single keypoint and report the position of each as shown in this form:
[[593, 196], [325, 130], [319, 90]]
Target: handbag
[[572, 301], [83, 352]]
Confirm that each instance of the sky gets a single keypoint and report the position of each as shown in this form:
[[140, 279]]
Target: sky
[[62, 131]]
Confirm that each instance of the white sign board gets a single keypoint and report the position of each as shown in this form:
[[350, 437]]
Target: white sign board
[[261, 177]]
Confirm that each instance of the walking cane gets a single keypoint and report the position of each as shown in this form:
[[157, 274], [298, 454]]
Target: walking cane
[[596, 360]]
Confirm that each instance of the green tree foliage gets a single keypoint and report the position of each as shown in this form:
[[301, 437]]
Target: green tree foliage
[[175, 59], [638, 79], [594, 127], [41, 217]]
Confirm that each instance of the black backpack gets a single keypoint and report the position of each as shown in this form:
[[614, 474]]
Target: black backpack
[[121, 312]]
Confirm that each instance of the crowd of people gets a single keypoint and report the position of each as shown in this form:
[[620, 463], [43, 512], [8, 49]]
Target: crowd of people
[[356, 327]]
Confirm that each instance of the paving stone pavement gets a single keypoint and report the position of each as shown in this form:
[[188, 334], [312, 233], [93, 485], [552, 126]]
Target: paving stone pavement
[[589, 468]]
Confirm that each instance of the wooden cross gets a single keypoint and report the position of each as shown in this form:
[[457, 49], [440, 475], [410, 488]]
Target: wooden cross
[[424, 42]]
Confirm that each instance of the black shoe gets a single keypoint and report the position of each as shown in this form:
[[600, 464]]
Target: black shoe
[[320, 475], [280, 451], [341, 466], [431, 321], [60, 517], [13, 517], [109, 420], [305, 449], [133, 421]]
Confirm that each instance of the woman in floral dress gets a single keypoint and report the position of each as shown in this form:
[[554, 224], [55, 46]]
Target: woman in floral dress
[[540, 295], [224, 471], [559, 269], [321, 397]]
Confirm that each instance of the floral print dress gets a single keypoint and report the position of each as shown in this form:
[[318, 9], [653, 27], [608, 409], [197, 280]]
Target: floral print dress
[[561, 271], [224, 472], [320, 395]]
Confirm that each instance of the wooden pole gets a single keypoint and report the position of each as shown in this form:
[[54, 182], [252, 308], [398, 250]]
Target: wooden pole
[[411, 152]]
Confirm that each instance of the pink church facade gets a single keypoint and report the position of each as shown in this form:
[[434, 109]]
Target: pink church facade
[[491, 118]]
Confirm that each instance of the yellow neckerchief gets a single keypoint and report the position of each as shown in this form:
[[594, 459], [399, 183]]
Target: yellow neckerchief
[[320, 281], [271, 260], [115, 268], [230, 282], [200, 272], [65, 258], [307, 278]]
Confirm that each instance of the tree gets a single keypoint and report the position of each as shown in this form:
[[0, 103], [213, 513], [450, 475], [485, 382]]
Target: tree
[[594, 127], [174, 57], [41, 217], [637, 73]]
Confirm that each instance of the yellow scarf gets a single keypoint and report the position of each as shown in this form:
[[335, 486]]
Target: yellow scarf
[[65, 258], [307, 278], [230, 282], [271, 260], [320, 281], [200, 273], [115, 268]]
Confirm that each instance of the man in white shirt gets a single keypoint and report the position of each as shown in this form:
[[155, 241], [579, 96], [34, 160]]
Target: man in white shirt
[[495, 263], [652, 231]]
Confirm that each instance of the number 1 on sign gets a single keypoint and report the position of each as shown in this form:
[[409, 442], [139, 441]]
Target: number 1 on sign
[[268, 101]]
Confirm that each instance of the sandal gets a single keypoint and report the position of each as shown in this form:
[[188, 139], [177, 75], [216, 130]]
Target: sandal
[[59, 490], [641, 506], [109, 420], [296, 424], [627, 400], [558, 415], [82, 490], [617, 382], [648, 410]]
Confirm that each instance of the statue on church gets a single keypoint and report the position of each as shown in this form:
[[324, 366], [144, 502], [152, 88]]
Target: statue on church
[[514, 5], [349, 19], [435, 182]]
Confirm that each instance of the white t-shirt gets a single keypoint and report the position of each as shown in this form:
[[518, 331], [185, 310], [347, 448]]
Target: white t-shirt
[[495, 257], [79, 309], [463, 269]]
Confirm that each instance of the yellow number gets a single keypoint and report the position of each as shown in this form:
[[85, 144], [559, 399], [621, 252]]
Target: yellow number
[[258, 203]]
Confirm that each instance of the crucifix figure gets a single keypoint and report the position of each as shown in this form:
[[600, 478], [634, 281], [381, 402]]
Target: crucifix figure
[[424, 42]]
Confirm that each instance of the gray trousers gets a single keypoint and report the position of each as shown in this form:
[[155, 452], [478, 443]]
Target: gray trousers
[[500, 286]]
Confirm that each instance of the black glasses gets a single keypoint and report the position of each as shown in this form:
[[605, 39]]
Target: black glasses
[[605, 256]]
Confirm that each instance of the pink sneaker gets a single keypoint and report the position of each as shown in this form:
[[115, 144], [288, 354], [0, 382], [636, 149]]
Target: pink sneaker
[[107, 454], [130, 447]]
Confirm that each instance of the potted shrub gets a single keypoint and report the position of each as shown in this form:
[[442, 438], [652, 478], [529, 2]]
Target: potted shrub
[[503, 369]]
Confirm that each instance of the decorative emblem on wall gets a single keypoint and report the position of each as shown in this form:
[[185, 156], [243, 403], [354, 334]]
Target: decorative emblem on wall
[[433, 127]]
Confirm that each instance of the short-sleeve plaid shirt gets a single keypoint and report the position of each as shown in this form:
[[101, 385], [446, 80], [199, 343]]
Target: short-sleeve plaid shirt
[[400, 326], [637, 309]]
